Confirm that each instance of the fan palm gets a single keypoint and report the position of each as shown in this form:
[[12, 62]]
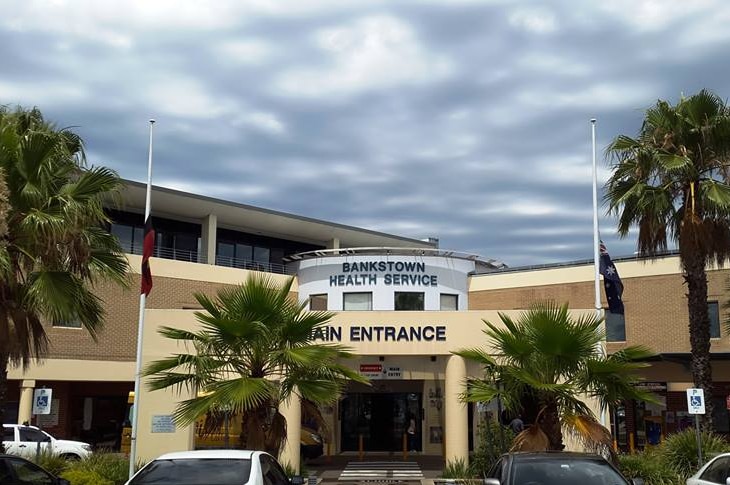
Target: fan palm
[[671, 182], [53, 246], [255, 348], [548, 358]]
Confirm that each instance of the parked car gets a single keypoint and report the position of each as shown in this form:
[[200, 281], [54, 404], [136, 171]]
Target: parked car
[[555, 468], [713, 472], [229, 467], [15, 470], [23, 441]]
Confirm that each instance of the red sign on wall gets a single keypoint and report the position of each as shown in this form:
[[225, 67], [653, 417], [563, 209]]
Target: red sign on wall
[[727, 402], [370, 368]]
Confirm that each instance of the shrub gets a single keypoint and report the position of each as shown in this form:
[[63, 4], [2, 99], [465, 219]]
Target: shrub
[[457, 469], [680, 449], [85, 477], [109, 466], [651, 466], [52, 462], [493, 440]]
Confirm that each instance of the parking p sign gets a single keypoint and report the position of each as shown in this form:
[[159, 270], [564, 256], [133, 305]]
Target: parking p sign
[[695, 401], [42, 401]]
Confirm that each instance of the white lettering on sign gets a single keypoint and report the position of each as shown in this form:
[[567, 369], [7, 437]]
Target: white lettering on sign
[[695, 401]]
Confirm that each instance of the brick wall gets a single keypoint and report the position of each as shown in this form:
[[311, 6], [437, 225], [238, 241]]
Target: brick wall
[[117, 340], [656, 307]]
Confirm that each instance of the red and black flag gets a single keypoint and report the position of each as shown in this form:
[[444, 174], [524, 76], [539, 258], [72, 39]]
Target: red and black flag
[[148, 245]]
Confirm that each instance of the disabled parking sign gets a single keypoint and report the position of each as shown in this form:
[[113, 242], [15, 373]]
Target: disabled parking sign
[[695, 401], [42, 401]]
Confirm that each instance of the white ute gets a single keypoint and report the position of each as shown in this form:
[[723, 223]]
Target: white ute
[[23, 441]]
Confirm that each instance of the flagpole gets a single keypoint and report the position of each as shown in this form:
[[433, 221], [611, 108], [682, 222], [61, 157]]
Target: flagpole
[[140, 326], [596, 243]]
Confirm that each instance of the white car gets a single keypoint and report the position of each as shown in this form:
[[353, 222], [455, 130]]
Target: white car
[[23, 441], [225, 467], [713, 472]]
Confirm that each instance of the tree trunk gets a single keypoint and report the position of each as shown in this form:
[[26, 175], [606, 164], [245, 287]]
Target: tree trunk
[[550, 424], [3, 392], [699, 329]]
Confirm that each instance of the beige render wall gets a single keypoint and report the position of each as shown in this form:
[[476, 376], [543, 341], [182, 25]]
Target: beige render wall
[[654, 298]]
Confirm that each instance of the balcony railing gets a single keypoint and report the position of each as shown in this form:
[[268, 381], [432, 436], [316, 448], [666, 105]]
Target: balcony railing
[[251, 265], [194, 257]]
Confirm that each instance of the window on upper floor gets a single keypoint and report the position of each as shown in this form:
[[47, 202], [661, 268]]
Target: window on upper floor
[[449, 303], [615, 326], [409, 301], [67, 324], [357, 301], [318, 302], [713, 311]]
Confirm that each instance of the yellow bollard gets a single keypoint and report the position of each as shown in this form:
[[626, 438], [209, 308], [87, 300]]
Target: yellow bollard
[[328, 458], [405, 447], [360, 448], [631, 442]]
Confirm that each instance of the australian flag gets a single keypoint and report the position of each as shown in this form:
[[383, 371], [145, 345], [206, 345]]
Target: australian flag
[[611, 283]]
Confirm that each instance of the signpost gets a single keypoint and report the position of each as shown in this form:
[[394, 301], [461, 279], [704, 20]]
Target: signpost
[[41, 406], [696, 406]]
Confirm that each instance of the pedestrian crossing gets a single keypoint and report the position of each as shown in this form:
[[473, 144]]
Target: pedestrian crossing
[[381, 471]]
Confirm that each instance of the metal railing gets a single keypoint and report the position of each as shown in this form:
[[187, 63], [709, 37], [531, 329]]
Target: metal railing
[[195, 257]]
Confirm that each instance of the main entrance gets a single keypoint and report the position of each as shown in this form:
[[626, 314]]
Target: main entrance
[[381, 419]]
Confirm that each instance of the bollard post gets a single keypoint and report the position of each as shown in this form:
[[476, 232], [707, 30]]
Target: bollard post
[[360, 448], [405, 447], [631, 442], [328, 458]]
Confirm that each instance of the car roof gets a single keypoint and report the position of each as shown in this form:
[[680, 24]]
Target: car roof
[[554, 454], [210, 454]]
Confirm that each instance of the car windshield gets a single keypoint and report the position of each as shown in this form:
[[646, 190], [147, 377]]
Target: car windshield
[[195, 471], [565, 471]]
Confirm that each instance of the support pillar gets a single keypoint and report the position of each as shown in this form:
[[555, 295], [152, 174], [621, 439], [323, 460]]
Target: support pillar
[[290, 454], [208, 239], [25, 406], [456, 432], [334, 243]]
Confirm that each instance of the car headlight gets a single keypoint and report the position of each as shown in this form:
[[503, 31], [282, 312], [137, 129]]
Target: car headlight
[[316, 438], [86, 447]]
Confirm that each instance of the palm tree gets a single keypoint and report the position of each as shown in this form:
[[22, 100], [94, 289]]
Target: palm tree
[[671, 182], [255, 348], [549, 359], [53, 247]]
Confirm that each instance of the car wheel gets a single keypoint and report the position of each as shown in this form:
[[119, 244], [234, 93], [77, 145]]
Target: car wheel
[[71, 457]]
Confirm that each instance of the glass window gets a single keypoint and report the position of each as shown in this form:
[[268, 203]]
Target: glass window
[[357, 301], [408, 301], [244, 252], [29, 473], [717, 471], [713, 310], [8, 433], [449, 303], [224, 255], [261, 255], [271, 472], [68, 324], [32, 434], [195, 471], [318, 302], [615, 327], [125, 234], [555, 471]]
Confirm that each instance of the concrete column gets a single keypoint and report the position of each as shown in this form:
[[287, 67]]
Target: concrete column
[[25, 406], [334, 243], [456, 422], [208, 238], [291, 409]]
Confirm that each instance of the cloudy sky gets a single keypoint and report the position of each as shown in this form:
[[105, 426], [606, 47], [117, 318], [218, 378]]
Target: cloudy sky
[[461, 119]]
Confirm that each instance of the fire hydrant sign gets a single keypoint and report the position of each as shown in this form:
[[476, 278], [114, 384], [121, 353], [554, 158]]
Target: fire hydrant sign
[[695, 401], [42, 401]]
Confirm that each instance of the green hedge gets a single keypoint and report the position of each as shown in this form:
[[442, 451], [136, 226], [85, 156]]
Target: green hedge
[[99, 468]]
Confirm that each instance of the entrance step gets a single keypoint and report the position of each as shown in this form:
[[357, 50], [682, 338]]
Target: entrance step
[[381, 471]]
